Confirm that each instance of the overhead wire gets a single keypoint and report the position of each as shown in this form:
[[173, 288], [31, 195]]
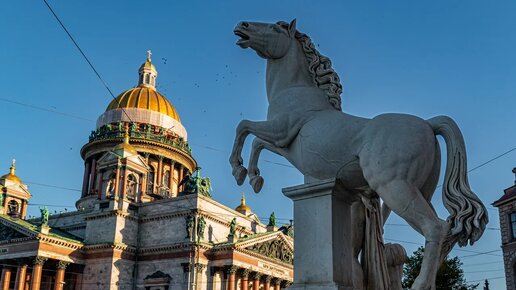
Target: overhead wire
[[86, 58], [207, 147]]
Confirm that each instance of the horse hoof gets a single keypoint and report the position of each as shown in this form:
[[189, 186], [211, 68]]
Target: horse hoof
[[239, 173], [257, 183]]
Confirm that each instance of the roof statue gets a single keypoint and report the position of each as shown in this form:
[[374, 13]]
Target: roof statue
[[395, 157], [44, 216], [272, 220], [196, 184]]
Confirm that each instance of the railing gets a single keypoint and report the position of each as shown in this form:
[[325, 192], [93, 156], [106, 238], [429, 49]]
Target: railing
[[148, 132]]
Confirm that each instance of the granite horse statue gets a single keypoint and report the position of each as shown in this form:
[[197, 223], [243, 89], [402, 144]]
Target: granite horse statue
[[393, 156]]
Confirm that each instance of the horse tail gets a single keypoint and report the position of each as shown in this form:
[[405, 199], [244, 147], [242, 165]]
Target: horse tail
[[468, 216]]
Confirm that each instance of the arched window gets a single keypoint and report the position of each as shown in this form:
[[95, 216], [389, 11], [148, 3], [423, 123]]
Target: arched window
[[147, 79], [13, 207], [512, 219]]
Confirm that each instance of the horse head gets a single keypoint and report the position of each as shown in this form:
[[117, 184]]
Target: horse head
[[269, 40]]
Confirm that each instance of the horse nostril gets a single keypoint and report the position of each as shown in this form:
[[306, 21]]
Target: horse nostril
[[245, 24]]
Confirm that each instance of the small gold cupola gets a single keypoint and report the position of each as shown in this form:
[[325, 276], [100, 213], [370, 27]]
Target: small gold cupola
[[12, 173], [125, 149], [148, 73], [14, 195], [243, 208]]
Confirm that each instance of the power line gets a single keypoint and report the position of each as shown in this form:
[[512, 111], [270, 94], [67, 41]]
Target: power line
[[86, 58], [490, 278], [476, 253], [45, 109]]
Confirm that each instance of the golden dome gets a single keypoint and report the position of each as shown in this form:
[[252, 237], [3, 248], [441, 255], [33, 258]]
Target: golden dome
[[243, 208], [12, 174], [144, 98]]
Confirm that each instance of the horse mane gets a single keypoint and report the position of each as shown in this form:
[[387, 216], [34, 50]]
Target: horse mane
[[320, 69]]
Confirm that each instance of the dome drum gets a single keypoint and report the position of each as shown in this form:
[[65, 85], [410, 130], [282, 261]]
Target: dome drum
[[143, 116], [140, 131]]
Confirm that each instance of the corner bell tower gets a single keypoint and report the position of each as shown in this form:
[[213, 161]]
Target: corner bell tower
[[15, 195]]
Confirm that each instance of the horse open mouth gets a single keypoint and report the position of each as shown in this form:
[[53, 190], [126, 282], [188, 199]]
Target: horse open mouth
[[243, 42]]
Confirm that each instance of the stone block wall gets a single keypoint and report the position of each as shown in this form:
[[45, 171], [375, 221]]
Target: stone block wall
[[97, 274], [100, 230], [172, 267]]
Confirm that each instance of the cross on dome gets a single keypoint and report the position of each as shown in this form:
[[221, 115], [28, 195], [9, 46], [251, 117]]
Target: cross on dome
[[149, 54]]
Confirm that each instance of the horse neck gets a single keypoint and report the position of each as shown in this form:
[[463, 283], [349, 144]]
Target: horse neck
[[288, 71]]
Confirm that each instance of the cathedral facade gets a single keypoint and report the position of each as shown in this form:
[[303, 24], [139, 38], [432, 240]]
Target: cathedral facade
[[145, 219], [507, 212]]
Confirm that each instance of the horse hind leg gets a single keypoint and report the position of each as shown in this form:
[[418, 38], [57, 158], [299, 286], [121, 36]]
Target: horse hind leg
[[409, 203]]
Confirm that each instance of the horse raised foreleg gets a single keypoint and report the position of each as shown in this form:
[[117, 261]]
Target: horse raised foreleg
[[278, 132], [255, 179]]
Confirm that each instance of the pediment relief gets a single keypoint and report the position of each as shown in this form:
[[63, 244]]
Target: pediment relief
[[277, 248], [8, 233]]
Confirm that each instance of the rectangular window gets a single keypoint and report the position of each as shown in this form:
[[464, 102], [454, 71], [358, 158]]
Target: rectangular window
[[513, 224]]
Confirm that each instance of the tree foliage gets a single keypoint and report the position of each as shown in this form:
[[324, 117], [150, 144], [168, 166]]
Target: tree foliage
[[450, 275]]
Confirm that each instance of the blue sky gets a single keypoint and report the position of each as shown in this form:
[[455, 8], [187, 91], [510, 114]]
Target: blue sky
[[420, 57]]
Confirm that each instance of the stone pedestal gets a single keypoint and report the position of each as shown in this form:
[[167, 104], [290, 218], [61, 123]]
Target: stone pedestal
[[322, 241]]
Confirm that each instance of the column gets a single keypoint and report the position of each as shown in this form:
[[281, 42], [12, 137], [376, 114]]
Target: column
[[6, 278], [267, 283], [85, 179], [27, 281], [99, 184], [24, 209], [322, 217], [60, 274], [36, 272], [277, 283], [256, 280], [117, 182], [78, 282], [180, 177], [245, 280], [231, 272], [20, 277], [171, 181], [199, 269], [159, 178], [92, 176], [124, 182]]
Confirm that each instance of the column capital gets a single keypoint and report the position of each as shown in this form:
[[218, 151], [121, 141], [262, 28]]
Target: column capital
[[214, 270], [276, 281], [199, 267], [245, 272], [231, 269], [256, 275], [186, 267], [268, 278], [62, 265], [160, 157], [285, 284], [40, 260]]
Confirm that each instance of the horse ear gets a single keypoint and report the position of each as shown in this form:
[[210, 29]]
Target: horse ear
[[292, 27]]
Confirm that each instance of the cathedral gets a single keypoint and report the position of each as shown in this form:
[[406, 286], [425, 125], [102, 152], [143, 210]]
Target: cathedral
[[145, 219]]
